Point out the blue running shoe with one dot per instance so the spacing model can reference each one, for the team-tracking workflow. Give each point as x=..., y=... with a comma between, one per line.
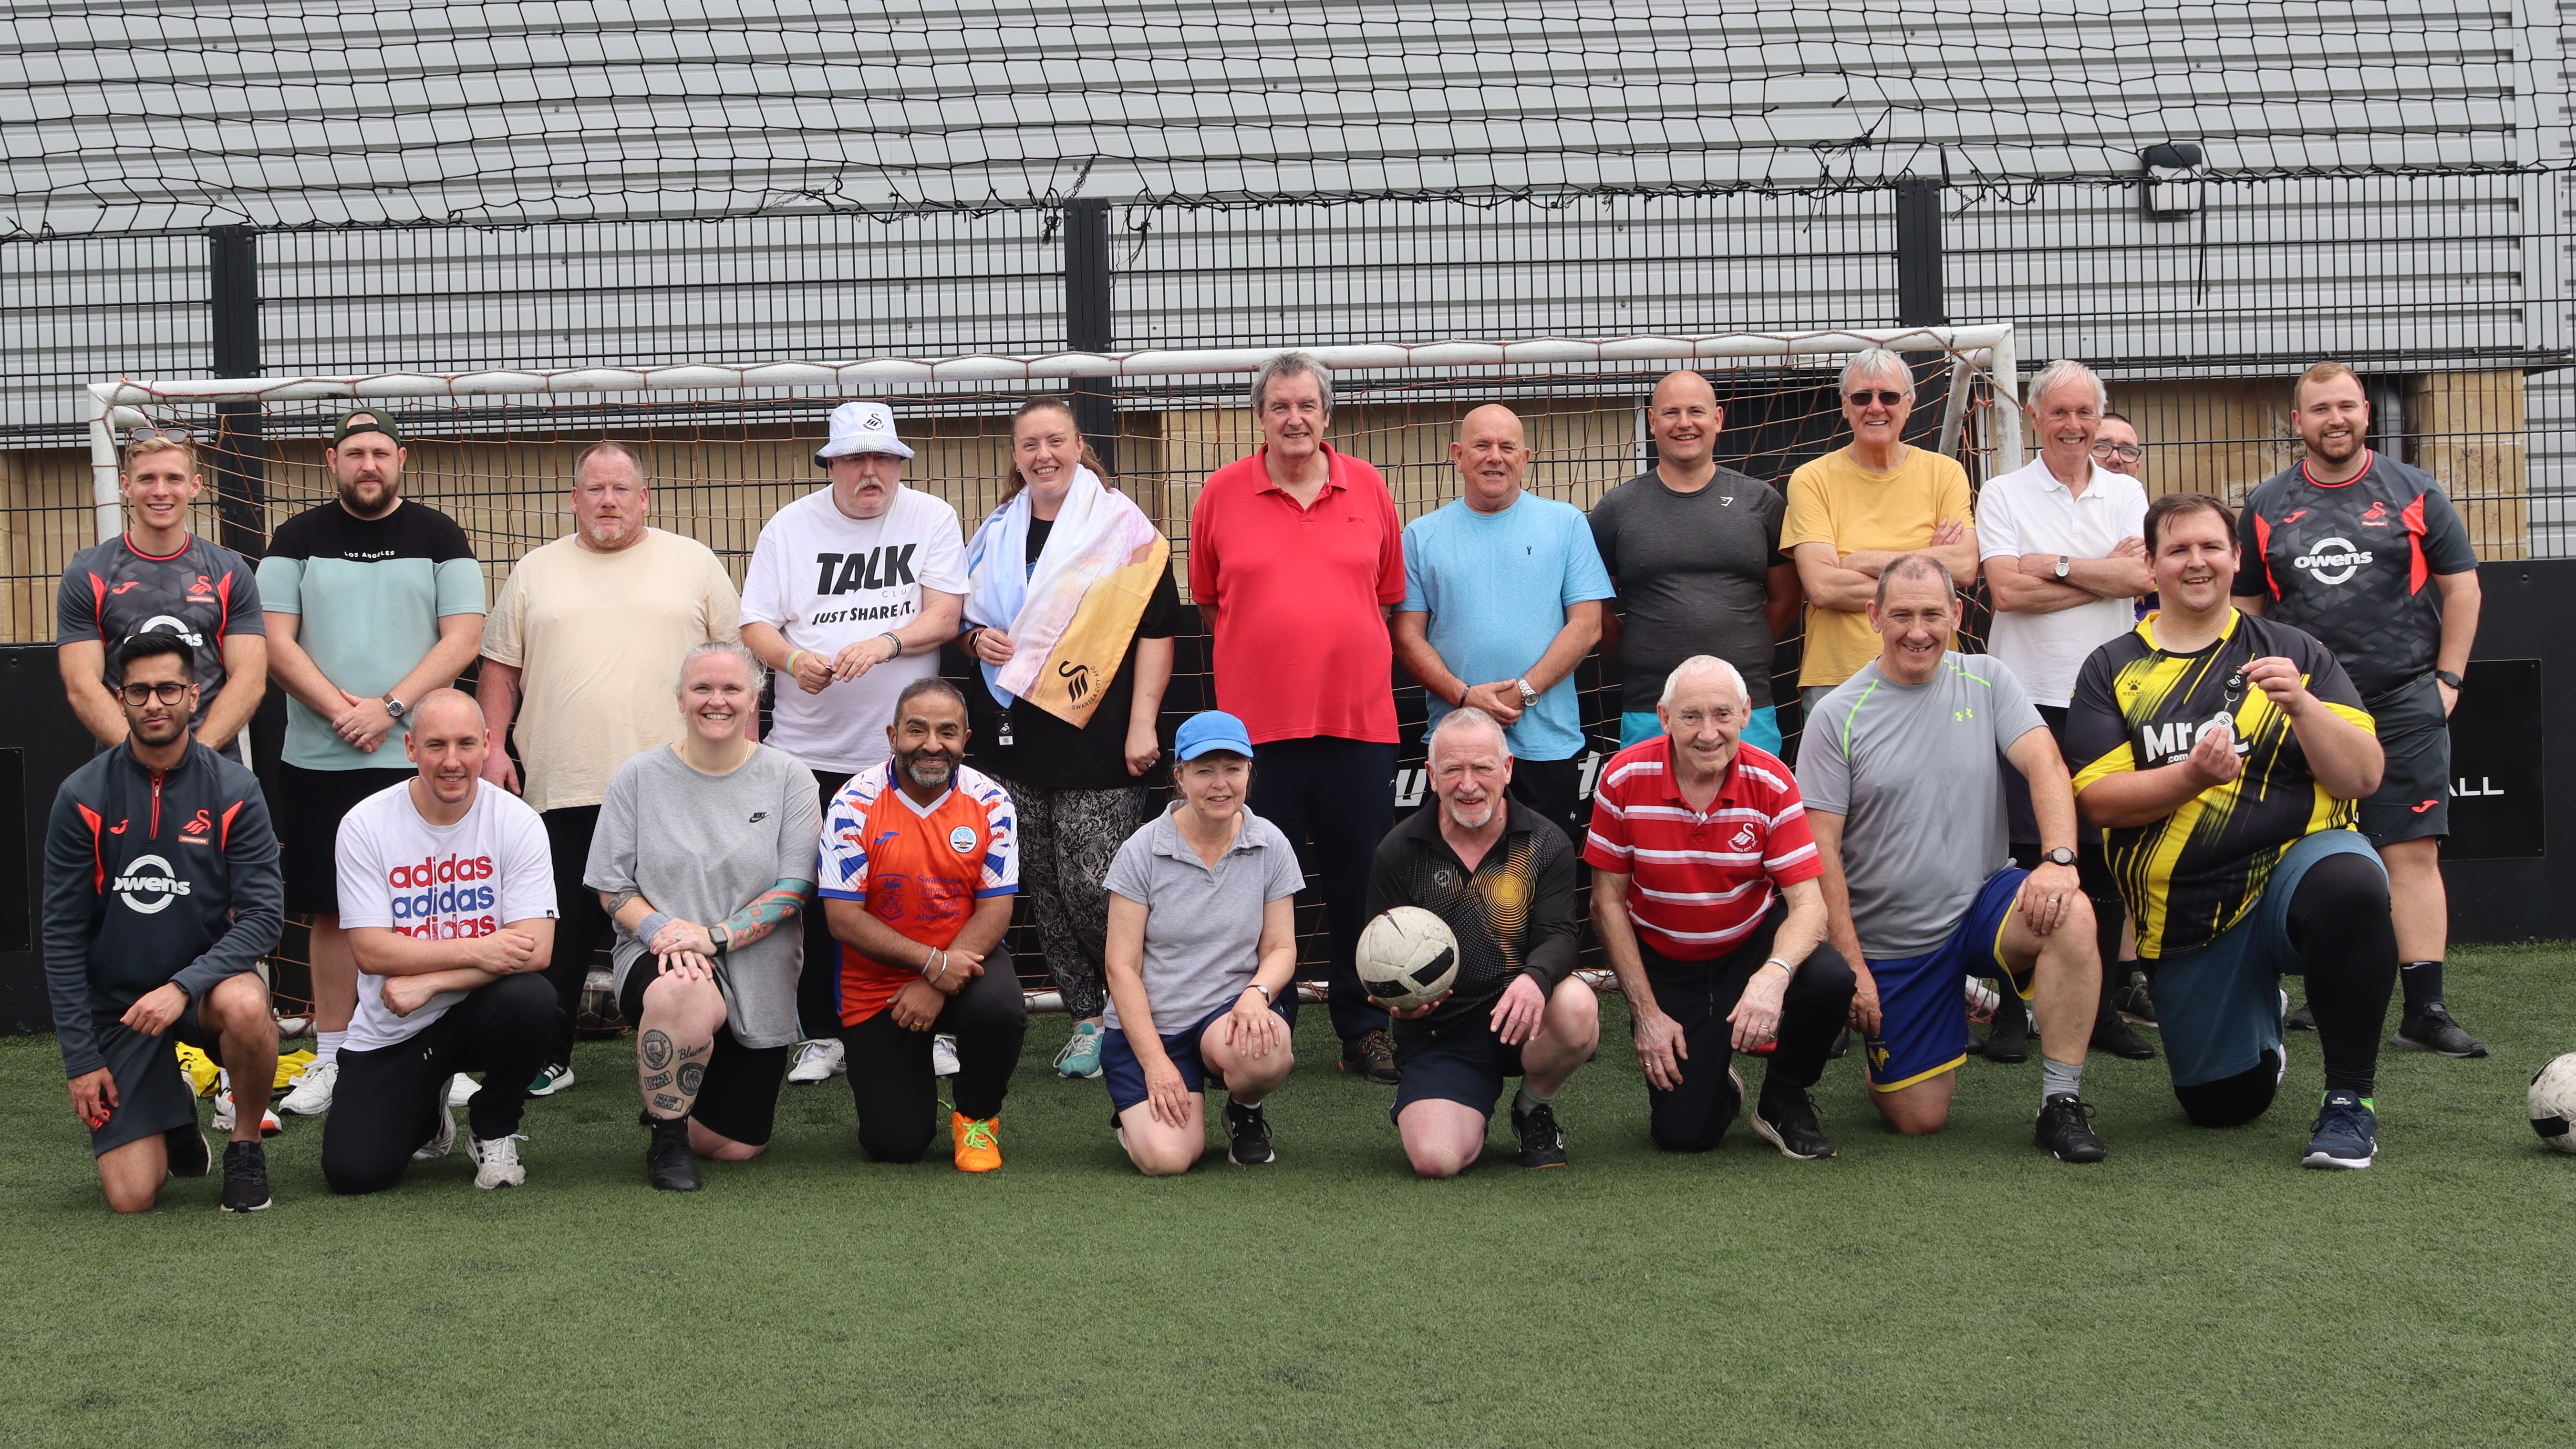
x=1080, y=1058
x=2346, y=1132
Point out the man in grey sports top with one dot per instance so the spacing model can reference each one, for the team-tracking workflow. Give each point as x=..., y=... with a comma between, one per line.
x=1902, y=770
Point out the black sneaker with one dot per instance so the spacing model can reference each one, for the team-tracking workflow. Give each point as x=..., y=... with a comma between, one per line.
x=1791, y=1126
x=190, y=1156
x=2111, y=1034
x=668, y=1164
x=2303, y=1019
x=1842, y=1044
x=1542, y=1145
x=2065, y=1130
x=2008, y=1041
x=2432, y=1030
x=2134, y=1001
x=245, y=1177
x=1371, y=1055
x=1247, y=1137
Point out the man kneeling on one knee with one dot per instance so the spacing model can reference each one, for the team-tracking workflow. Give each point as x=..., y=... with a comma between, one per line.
x=1502, y=877
x=1903, y=771
x=1704, y=892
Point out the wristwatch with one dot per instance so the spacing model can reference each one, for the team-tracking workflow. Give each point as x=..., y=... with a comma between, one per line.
x=2058, y=855
x=720, y=938
x=1529, y=696
x=395, y=709
x=2453, y=680
x=1264, y=990
x=2065, y=566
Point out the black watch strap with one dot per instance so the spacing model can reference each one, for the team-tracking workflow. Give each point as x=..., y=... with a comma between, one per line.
x=2059, y=855
x=2453, y=680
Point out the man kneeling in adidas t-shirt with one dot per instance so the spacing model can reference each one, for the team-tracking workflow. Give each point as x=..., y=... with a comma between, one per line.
x=447, y=892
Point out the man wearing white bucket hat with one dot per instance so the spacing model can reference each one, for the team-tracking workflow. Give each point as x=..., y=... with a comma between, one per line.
x=852, y=590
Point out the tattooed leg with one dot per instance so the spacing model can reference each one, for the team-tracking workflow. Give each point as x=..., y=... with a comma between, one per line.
x=673, y=1040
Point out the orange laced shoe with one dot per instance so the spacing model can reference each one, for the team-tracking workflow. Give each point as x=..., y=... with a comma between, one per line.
x=978, y=1150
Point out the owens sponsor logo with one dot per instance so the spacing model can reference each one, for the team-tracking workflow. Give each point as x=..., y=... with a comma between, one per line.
x=2332, y=560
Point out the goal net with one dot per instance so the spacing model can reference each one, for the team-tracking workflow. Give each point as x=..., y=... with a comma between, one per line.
x=725, y=445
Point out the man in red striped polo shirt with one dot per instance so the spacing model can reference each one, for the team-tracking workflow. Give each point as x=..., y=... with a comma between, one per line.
x=1705, y=894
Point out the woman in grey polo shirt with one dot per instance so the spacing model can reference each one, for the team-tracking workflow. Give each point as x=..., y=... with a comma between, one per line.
x=1202, y=941
x=705, y=849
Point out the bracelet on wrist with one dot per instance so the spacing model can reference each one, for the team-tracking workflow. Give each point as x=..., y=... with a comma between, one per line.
x=650, y=927
x=792, y=656
x=889, y=637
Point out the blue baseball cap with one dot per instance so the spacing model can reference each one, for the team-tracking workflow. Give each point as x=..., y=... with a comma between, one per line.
x=1212, y=729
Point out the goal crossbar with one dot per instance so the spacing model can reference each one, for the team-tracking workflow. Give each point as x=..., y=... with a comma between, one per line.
x=1986, y=348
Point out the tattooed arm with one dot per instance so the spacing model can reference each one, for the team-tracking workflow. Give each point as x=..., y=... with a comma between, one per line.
x=766, y=912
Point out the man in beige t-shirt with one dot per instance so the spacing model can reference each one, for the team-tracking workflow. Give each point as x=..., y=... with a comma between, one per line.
x=1855, y=509
x=582, y=650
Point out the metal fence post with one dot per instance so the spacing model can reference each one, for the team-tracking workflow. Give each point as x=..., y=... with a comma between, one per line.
x=239, y=452
x=1089, y=318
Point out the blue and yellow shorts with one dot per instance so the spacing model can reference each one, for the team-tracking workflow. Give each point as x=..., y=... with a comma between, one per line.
x=1923, y=1013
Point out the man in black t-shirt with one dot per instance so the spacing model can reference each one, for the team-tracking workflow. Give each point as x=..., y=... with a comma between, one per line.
x=1694, y=550
x=2366, y=554
x=1502, y=876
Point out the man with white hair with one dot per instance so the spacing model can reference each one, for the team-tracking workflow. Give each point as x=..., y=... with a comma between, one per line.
x=2065, y=552
x=580, y=651
x=1705, y=895
x=1852, y=511
x=851, y=591
x=1903, y=773
x=1502, y=877
x=1486, y=628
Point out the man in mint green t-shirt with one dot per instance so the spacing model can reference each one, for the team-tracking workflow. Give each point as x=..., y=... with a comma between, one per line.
x=1502, y=599
x=372, y=602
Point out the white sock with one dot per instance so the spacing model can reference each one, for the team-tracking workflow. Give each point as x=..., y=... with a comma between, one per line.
x=2059, y=1079
x=326, y=1047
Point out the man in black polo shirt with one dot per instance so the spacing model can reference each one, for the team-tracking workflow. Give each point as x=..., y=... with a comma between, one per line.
x=1502, y=877
x=2366, y=554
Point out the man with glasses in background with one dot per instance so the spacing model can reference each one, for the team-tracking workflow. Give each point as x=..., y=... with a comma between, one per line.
x=2115, y=449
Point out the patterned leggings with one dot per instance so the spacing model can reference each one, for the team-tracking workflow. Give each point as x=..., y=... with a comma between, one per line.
x=1067, y=839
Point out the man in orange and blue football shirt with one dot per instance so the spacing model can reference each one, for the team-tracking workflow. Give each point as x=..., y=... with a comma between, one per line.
x=920, y=860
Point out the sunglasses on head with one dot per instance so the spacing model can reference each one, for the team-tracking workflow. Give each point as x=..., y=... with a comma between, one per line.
x=150, y=434
x=1886, y=397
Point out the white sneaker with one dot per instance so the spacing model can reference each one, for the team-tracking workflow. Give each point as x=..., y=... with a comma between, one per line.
x=461, y=1089
x=551, y=1080
x=442, y=1144
x=817, y=1060
x=496, y=1161
x=269, y=1126
x=943, y=1055
x=312, y=1094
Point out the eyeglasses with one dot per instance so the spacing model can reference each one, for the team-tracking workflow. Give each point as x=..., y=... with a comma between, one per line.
x=1886, y=397
x=2125, y=452
x=150, y=434
x=167, y=691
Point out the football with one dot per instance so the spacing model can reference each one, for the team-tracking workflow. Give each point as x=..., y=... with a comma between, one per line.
x=1407, y=957
x=2553, y=1103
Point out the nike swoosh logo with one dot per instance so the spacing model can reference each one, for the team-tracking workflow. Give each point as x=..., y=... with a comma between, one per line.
x=2427, y=805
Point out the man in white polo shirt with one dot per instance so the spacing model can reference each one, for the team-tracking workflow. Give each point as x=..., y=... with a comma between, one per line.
x=2063, y=540
x=852, y=590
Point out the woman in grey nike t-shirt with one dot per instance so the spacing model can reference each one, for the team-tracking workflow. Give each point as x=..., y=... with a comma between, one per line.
x=705, y=849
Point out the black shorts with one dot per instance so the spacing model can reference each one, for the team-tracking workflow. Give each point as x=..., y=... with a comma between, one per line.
x=738, y=1097
x=2414, y=796
x=307, y=810
x=152, y=1094
x=1464, y=1062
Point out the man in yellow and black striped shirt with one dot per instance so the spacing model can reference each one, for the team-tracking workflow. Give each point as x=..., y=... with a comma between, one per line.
x=2224, y=753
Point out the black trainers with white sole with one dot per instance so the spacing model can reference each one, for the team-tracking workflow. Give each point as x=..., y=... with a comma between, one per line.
x=1791, y=1126
x=2432, y=1030
x=245, y=1177
x=2065, y=1130
x=1247, y=1136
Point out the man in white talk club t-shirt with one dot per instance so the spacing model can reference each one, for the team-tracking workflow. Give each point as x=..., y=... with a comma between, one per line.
x=852, y=590
x=447, y=891
x=2063, y=540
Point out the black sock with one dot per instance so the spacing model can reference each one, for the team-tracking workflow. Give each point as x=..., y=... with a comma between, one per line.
x=2339, y=922
x=2422, y=981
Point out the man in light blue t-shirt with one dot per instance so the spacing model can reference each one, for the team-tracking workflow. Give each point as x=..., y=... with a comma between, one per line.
x=1502, y=599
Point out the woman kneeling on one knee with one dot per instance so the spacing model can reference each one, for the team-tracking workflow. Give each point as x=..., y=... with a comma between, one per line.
x=715, y=829
x=1202, y=942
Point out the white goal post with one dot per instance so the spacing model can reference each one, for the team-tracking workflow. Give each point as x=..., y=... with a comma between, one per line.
x=1985, y=349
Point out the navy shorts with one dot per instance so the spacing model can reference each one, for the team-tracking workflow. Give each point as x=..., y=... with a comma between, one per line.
x=1923, y=1014
x=152, y=1093
x=1465, y=1063
x=1127, y=1075
x=2218, y=1009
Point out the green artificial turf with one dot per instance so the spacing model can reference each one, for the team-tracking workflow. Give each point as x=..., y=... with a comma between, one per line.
x=2198, y=1288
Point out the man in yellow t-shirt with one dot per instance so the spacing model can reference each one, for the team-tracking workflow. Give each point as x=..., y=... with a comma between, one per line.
x=582, y=653
x=1854, y=510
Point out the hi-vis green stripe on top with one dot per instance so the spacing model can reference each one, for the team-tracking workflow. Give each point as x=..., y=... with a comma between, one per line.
x=2193, y=874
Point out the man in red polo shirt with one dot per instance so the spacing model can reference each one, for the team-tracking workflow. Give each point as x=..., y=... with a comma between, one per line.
x=1296, y=555
x=1705, y=893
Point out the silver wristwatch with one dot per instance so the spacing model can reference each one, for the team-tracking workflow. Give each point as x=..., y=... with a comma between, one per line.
x=395, y=709
x=2065, y=566
x=1529, y=696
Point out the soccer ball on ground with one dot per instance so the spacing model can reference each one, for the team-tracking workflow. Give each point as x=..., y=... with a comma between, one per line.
x=2553, y=1103
x=1407, y=957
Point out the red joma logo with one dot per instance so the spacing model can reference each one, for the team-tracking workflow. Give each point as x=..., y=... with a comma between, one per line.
x=121, y=588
